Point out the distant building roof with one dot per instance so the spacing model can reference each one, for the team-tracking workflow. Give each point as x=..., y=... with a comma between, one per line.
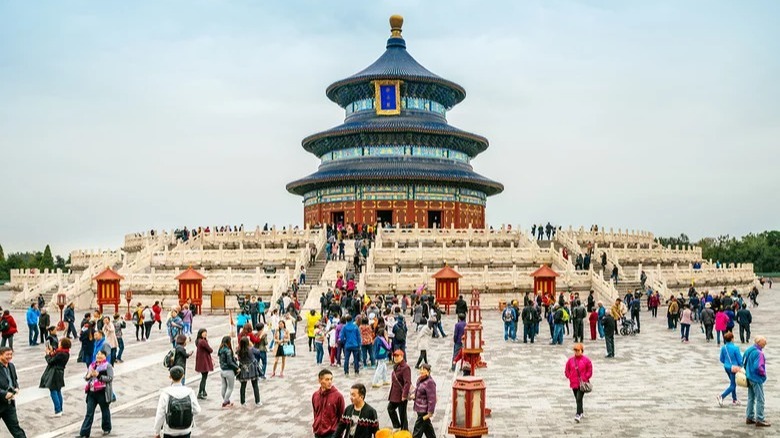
x=544, y=272
x=190, y=274
x=108, y=274
x=446, y=273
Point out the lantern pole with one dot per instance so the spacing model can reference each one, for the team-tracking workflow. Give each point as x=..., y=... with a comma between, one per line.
x=61, y=305
x=128, y=298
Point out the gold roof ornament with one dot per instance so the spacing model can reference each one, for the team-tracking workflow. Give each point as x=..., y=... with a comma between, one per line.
x=396, y=23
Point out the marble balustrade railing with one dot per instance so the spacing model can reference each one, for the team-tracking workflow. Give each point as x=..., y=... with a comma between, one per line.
x=212, y=257
x=434, y=236
x=228, y=279
x=459, y=255
x=257, y=236
x=82, y=259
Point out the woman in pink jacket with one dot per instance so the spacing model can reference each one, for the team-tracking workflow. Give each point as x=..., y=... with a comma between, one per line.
x=578, y=370
x=721, y=323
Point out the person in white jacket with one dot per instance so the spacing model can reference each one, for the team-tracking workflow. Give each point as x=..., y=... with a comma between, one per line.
x=178, y=391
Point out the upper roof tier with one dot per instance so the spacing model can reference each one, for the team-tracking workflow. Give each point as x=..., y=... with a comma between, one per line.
x=395, y=63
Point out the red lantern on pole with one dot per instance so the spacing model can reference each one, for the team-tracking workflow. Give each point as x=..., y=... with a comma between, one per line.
x=468, y=408
x=61, y=304
x=128, y=298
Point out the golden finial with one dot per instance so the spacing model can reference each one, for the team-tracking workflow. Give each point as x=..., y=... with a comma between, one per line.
x=396, y=23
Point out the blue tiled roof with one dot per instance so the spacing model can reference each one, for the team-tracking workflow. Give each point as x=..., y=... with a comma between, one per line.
x=395, y=63
x=335, y=138
x=395, y=169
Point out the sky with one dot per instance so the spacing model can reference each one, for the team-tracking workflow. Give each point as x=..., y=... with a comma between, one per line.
x=117, y=117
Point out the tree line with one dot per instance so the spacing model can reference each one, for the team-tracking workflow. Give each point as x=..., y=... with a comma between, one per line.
x=762, y=249
x=29, y=260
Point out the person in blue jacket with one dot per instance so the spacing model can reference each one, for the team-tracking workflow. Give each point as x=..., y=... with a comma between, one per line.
x=731, y=358
x=350, y=338
x=33, y=314
x=755, y=371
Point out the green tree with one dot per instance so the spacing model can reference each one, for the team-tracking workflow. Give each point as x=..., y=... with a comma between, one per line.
x=2, y=256
x=47, y=260
x=60, y=263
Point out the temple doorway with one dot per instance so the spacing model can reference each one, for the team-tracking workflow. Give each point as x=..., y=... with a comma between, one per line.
x=384, y=216
x=434, y=219
x=337, y=217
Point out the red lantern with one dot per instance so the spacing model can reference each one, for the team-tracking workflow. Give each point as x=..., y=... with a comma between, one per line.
x=61, y=301
x=128, y=298
x=468, y=408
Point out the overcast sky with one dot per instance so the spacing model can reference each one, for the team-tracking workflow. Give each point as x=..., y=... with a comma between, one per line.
x=118, y=117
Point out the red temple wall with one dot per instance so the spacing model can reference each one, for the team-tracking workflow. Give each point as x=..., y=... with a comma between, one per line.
x=404, y=212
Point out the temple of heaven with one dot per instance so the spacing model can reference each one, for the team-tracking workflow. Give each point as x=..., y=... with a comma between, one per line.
x=395, y=159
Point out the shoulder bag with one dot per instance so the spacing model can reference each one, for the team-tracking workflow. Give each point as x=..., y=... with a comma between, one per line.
x=585, y=387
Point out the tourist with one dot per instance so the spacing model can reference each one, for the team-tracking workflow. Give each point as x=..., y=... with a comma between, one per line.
x=635, y=308
x=653, y=302
x=249, y=371
x=119, y=324
x=744, y=319
x=509, y=316
x=99, y=344
x=610, y=328
x=424, y=397
x=557, y=320
x=87, y=343
x=33, y=314
x=9, y=388
x=292, y=325
x=401, y=382
x=685, y=323
x=529, y=317
x=282, y=337
x=332, y=342
x=672, y=312
x=53, y=377
x=423, y=342
x=100, y=376
x=180, y=354
x=261, y=347
x=579, y=313
x=138, y=321
x=708, y=321
x=328, y=405
x=461, y=306
x=157, y=312
x=366, y=343
x=302, y=275
x=601, y=312
x=457, y=337
x=44, y=320
x=399, y=332
x=312, y=318
x=593, y=319
x=186, y=320
x=254, y=310
x=721, y=324
x=755, y=371
x=261, y=310
x=109, y=333
x=578, y=370
x=350, y=338
x=148, y=319
x=731, y=358
x=174, y=325
x=273, y=326
x=70, y=319
x=360, y=420
x=319, y=341
x=438, y=328
x=51, y=338
x=176, y=408
x=228, y=369
x=381, y=351
x=203, y=361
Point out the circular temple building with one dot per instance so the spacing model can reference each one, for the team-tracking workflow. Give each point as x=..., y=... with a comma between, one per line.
x=395, y=159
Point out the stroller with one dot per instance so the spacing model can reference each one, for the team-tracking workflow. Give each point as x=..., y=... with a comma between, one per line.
x=628, y=327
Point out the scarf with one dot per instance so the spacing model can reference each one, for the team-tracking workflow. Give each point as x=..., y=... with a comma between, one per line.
x=94, y=384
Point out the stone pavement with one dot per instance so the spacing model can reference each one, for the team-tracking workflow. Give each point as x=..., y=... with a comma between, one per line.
x=656, y=386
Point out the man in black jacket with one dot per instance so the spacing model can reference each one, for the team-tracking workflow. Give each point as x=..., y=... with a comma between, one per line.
x=529, y=317
x=610, y=327
x=360, y=420
x=9, y=388
x=70, y=319
x=461, y=306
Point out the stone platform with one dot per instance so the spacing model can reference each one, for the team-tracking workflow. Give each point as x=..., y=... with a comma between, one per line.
x=656, y=386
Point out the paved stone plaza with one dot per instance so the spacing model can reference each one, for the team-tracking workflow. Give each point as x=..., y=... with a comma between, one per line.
x=656, y=386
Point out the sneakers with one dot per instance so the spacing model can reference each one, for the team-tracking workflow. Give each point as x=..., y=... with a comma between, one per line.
x=577, y=418
x=57, y=414
x=750, y=421
x=720, y=400
x=736, y=403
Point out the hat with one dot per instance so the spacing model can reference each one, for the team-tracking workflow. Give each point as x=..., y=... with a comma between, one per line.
x=426, y=366
x=398, y=353
x=707, y=305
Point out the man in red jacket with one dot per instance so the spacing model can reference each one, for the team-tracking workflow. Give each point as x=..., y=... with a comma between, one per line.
x=328, y=405
x=8, y=329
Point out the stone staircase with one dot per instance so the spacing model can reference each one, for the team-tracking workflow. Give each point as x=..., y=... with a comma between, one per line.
x=313, y=275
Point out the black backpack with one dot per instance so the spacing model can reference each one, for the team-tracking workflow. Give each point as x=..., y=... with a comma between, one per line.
x=169, y=359
x=400, y=332
x=4, y=325
x=179, y=415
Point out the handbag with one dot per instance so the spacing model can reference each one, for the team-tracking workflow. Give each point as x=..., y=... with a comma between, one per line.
x=585, y=387
x=740, y=377
x=287, y=349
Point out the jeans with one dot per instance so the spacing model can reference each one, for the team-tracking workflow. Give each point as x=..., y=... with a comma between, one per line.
x=121, y=349
x=528, y=332
x=744, y=333
x=368, y=354
x=148, y=328
x=558, y=335
x=355, y=353
x=600, y=328
x=610, y=341
x=685, y=331
x=455, y=349
x=397, y=412
x=509, y=330
x=578, y=395
x=635, y=317
x=440, y=329
x=112, y=359
x=732, y=389
x=95, y=399
x=33, y=337
x=320, y=352
x=71, y=329
x=187, y=330
x=56, y=398
x=719, y=334
x=755, y=403
x=262, y=360
x=8, y=415
x=380, y=375
x=423, y=427
x=228, y=382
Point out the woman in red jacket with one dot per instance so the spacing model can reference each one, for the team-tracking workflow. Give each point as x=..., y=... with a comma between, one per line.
x=157, y=309
x=203, y=362
x=8, y=325
x=578, y=370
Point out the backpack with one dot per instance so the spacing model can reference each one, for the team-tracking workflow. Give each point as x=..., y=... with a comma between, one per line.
x=507, y=315
x=4, y=325
x=169, y=357
x=400, y=332
x=565, y=316
x=179, y=414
